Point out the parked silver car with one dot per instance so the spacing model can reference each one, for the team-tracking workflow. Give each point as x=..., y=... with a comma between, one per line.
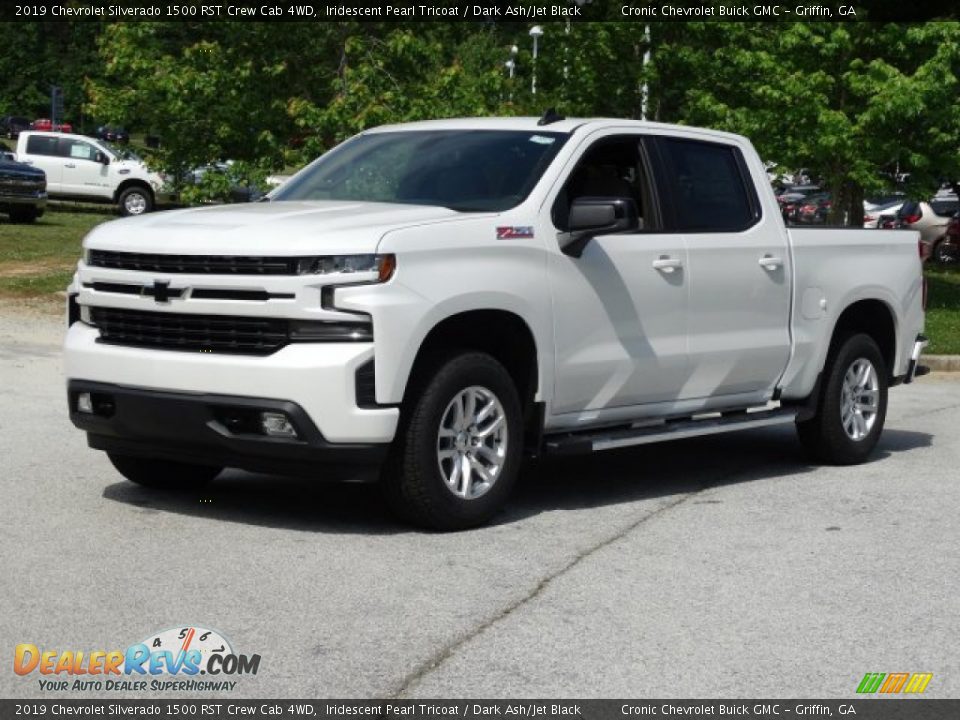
x=929, y=218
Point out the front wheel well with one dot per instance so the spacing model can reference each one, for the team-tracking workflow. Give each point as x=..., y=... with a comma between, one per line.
x=873, y=318
x=500, y=333
x=131, y=183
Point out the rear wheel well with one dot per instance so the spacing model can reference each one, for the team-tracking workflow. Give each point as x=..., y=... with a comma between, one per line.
x=873, y=318
x=500, y=333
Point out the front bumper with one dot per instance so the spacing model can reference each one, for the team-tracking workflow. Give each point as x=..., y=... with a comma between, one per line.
x=11, y=200
x=319, y=378
x=214, y=430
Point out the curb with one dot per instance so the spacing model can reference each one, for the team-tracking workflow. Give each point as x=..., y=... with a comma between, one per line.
x=941, y=363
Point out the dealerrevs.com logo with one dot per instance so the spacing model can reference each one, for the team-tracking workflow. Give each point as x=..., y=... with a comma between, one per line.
x=173, y=660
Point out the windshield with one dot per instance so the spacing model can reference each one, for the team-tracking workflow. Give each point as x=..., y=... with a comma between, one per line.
x=464, y=170
x=120, y=152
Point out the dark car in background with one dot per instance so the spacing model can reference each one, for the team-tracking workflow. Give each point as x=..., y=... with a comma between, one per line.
x=23, y=191
x=813, y=210
x=792, y=197
x=12, y=125
x=113, y=133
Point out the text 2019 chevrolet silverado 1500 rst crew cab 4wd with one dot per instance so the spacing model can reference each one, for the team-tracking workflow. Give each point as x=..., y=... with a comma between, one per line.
x=438, y=298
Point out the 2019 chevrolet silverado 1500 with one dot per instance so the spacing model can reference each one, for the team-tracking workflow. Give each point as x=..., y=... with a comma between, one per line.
x=437, y=299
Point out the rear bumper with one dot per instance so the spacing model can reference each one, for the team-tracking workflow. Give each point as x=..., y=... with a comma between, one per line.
x=210, y=429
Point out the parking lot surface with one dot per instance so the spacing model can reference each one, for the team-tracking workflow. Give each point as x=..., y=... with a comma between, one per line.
x=718, y=567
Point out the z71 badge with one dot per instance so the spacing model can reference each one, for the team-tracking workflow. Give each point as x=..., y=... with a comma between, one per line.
x=514, y=232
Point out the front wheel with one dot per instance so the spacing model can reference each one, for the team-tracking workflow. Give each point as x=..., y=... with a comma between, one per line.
x=459, y=445
x=135, y=200
x=165, y=474
x=852, y=405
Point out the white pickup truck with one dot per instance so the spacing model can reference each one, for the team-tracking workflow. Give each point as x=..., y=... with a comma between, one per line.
x=435, y=301
x=84, y=168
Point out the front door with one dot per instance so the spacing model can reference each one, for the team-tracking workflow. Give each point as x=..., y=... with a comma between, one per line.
x=620, y=309
x=82, y=174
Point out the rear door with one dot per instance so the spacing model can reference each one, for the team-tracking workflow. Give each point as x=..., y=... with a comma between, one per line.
x=738, y=325
x=42, y=152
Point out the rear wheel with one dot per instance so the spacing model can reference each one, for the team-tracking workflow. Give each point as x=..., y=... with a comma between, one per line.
x=945, y=253
x=459, y=445
x=165, y=474
x=852, y=405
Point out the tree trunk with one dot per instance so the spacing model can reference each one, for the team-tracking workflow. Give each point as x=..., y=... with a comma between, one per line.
x=847, y=206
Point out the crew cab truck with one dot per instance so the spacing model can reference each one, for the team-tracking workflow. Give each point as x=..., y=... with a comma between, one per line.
x=435, y=301
x=84, y=168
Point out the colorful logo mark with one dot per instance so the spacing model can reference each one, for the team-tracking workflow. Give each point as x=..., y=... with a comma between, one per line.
x=514, y=232
x=893, y=683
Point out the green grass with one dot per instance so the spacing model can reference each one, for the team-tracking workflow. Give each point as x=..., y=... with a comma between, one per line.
x=943, y=311
x=38, y=259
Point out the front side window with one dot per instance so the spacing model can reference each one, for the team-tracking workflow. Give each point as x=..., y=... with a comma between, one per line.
x=708, y=189
x=610, y=168
x=464, y=170
x=41, y=145
x=78, y=150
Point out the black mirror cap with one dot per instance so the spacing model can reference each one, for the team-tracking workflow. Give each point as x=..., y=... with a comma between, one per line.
x=590, y=216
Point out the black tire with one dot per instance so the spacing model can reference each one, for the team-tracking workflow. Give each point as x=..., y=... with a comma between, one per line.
x=943, y=253
x=824, y=436
x=412, y=480
x=135, y=200
x=164, y=474
x=23, y=214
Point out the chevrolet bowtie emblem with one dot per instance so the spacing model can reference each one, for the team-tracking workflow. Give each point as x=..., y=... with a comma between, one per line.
x=161, y=291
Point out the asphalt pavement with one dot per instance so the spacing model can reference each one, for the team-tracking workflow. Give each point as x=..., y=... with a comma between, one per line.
x=716, y=567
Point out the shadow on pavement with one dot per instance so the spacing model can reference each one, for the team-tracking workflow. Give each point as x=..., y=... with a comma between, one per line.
x=588, y=481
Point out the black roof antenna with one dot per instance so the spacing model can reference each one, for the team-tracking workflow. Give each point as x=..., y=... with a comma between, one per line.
x=549, y=117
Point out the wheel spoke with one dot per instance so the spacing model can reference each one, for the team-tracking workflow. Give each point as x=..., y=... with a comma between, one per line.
x=465, y=476
x=492, y=427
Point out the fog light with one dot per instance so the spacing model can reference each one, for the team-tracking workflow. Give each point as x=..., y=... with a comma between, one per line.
x=85, y=403
x=277, y=425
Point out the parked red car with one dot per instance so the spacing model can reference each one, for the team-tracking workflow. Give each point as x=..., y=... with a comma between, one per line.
x=46, y=125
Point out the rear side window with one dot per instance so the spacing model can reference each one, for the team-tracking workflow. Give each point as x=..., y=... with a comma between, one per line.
x=944, y=208
x=41, y=145
x=708, y=187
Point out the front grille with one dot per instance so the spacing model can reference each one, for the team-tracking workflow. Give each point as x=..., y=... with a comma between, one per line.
x=197, y=264
x=188, y=332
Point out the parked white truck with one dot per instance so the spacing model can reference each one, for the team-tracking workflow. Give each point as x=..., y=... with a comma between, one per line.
x=437, y=300
x=84, y=168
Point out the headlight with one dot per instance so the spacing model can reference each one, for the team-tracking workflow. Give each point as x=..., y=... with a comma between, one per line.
x=382, y=265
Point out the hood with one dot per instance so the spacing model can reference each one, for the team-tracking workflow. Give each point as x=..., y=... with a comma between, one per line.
x=264, y=228
x=17, y=169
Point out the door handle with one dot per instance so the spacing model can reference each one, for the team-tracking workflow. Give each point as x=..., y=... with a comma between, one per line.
x=769, y=262
x=69, y=165
x=667, y=264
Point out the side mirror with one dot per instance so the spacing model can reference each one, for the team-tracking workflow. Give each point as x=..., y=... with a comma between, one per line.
x=101, y=157
x=590, y=216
